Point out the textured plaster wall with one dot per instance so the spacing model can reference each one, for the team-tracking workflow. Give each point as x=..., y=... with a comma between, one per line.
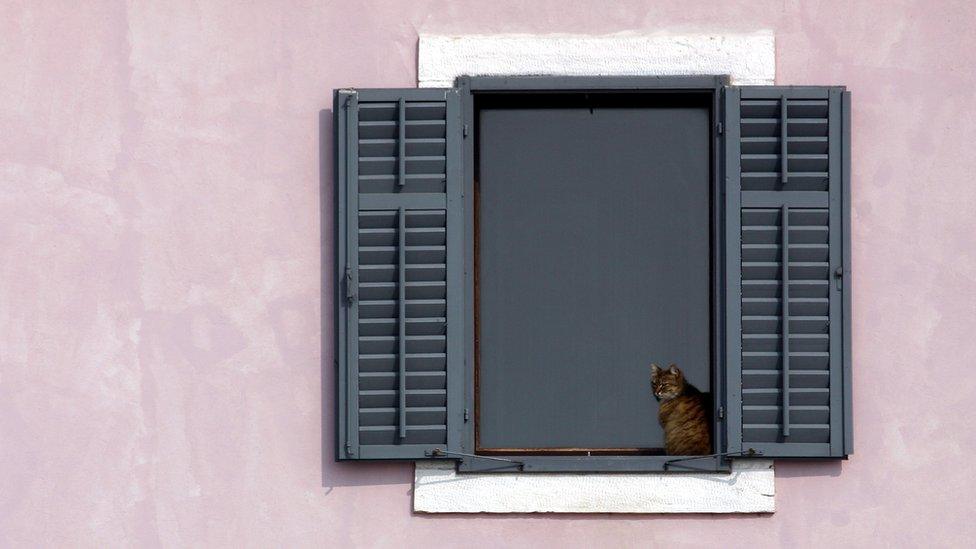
x=161, y=282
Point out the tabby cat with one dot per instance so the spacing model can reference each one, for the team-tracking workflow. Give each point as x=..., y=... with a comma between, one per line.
x=684, y=413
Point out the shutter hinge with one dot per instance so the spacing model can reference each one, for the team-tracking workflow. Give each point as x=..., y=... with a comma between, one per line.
x=349, y=449
x=464, y=130
x=347, y=282
x=465, y=415
x=721, y=412
x=350, y=95
x=839, y=275
x=720, y=128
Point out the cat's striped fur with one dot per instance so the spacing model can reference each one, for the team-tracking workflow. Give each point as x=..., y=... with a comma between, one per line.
x=684, y=413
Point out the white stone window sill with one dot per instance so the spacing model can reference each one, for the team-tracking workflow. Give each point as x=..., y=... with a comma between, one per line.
x=748, y=59
x=749, y=488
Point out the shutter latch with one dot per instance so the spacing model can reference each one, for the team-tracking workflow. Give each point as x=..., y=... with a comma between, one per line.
x=438, y=452
x=347, y=282
x=751, y=452
x=838, y=276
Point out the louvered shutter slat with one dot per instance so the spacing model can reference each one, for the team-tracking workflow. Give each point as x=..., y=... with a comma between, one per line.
x=787, y=353
x=399, y=319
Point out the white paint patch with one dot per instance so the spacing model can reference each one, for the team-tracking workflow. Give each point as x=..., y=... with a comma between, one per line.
x=749, y=488
x=748, y=58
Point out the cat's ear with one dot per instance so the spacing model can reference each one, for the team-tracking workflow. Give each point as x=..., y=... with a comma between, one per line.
x=673, y=369
x=655, y=369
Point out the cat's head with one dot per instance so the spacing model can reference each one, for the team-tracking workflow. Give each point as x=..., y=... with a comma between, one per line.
x=667, y=384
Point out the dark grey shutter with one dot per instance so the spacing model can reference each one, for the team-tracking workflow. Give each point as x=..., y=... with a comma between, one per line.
x=399, y=260
x=787, y=271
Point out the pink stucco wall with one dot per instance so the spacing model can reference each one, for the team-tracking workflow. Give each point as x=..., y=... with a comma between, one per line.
x=160, y=277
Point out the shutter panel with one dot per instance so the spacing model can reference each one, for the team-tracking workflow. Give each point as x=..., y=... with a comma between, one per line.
x=787, y=249
x=399, y=268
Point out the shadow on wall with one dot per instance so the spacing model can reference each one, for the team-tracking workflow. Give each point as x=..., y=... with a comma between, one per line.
x=791, y=469
x=336, y=474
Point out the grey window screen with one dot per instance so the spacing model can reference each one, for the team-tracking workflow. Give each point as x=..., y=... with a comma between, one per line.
x=593, y=261
x=398, y=302
x=788, y=342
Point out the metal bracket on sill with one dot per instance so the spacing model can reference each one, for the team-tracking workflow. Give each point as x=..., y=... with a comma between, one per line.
x=751, y=452
x=437, y=452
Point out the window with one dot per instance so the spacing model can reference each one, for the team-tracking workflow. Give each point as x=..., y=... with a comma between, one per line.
x=512, y=254
x=592, y=215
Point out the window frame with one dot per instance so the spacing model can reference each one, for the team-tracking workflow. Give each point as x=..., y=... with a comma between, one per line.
x=469, y=87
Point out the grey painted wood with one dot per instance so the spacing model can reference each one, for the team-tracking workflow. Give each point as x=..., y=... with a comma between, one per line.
x=339, y=112
x=401, y=142
x=351, y=272
x=593, y=464
x=394, y=94
x=837, y=237
x=399, y=327
x=719, y=439
x=785, y=313
x=593, y=263
x=733, y=280
x=457, y=199
x=590, y=463
x=401, y=302
x=776, y=199
x=456, y=304
x=847, y=269
x=468, y=170
x=810, y=408
x=413, y=201
x=784, y=170
x=777, y=92
x=583, y=83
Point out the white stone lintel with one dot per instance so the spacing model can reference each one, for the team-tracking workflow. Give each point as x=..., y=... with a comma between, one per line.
x=748, y=58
